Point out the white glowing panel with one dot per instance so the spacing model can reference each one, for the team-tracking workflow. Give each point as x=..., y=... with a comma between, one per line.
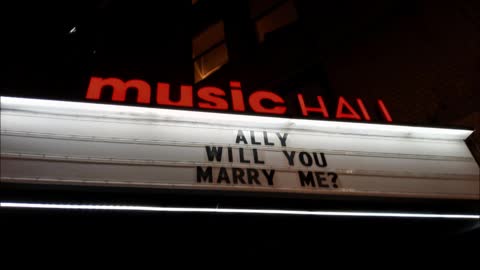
x=45, y=141
x=137, y=208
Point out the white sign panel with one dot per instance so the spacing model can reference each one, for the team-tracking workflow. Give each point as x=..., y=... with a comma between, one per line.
x=91, y=144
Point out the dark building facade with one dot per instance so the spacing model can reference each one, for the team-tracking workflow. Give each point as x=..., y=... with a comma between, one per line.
x=421, y=58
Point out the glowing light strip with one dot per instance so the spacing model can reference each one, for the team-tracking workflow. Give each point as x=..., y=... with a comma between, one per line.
x=237, y=120
x=232, y=210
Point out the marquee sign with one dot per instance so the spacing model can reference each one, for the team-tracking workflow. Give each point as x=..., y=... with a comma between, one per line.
x=235, y=100
x=74, y=143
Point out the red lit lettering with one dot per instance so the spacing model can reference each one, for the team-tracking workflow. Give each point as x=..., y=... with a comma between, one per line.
x=235, y=84
x=363, y=110
x=340, y=114
x=322, y=109
x=211, y=96
x=163, y=94
x=384, y=110
x=237, y=97
x=119, y=89
x=256, y=98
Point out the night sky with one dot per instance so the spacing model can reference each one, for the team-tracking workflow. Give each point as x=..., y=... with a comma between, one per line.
x=421, y=57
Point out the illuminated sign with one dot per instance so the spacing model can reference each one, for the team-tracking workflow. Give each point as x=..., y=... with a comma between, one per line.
x=214, y=98
x=73, y=143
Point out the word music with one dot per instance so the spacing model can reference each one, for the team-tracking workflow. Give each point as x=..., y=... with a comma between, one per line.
x=214, y=98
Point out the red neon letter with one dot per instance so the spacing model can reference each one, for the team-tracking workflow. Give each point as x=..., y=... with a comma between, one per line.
x=352, y=115
x=322, y=109
x=362, y=108
x=384, y=111
x=256, y=98
x=210, y=95
x=163, y=94
x=119, y=89
x=237, y=97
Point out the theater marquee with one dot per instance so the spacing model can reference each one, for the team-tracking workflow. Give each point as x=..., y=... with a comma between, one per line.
x=235, y=100
x=75, y=143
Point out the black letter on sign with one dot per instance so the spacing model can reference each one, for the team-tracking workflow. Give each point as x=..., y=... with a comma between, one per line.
x=290, y=157
x=253, y=176
x=283, y=139
x=306, y=179
x=255, y=157
x=214, y=152
x=241, y=137
x=269, y=176
x=334, y=179
x=302, y=156
x=223, y=176
x=242, y=157
x=252, y=137
x=238, y=175
x=204, y=175
x=230, y=155
x=324, y=161
x=320, y=179
x=265, y=139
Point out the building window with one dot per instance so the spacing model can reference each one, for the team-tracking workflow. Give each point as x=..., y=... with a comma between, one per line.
x=272, y=15
x=209, y=51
